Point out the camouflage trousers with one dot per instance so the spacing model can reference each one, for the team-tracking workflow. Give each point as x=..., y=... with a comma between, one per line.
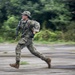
x=24, y=42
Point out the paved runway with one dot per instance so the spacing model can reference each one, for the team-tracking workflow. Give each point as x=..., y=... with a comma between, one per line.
x=63, y=60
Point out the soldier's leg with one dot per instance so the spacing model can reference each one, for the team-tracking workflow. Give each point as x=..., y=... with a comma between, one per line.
x=33, y=50
x=18, y=49
x=21, y=45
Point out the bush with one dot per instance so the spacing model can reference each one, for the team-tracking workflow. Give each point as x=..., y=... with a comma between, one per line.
x=70, y=34
x=10, y=27
x=47, y=35
x=1, y=40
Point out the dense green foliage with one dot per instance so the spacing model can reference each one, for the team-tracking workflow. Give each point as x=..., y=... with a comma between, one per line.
x=47, y=35
x=70, y=34
x=9, y=27
x=55, y=16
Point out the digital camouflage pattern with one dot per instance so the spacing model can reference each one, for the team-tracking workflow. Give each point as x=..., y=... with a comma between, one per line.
x=28, y=29
x=26, y=40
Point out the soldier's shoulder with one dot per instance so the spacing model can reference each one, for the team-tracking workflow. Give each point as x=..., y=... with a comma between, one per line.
x=34, y=22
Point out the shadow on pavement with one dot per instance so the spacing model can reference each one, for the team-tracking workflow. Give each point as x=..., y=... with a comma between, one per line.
x=64, y=67
x=36, y=69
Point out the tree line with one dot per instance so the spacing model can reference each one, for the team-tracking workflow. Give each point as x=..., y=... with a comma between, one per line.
x=53, y=15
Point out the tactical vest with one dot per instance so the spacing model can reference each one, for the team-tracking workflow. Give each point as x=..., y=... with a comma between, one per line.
x=27, y=27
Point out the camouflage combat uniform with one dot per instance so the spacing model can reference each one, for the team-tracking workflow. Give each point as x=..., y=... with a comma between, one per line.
x=27, y=28
x=27, y=38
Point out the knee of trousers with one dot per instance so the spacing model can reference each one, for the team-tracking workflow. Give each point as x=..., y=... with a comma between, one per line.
x=18, y=47
x=17, y=50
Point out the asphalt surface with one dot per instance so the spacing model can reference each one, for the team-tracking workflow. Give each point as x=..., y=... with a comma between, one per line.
x=63, y=60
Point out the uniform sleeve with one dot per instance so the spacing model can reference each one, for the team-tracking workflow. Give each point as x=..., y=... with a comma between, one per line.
x=18, y=28
x=36, y=27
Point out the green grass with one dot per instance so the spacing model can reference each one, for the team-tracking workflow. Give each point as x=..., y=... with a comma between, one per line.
x=54, y=42
x=41, y=42
x=24, y=63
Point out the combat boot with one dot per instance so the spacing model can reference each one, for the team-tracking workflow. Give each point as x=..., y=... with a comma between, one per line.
x=16, y=65
x=48, y=61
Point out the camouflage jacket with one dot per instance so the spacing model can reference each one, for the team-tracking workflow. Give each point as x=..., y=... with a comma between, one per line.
x=28, y=27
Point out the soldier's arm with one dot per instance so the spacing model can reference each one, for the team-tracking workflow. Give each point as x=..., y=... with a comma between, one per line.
x=36, y=27
x=18, y=28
